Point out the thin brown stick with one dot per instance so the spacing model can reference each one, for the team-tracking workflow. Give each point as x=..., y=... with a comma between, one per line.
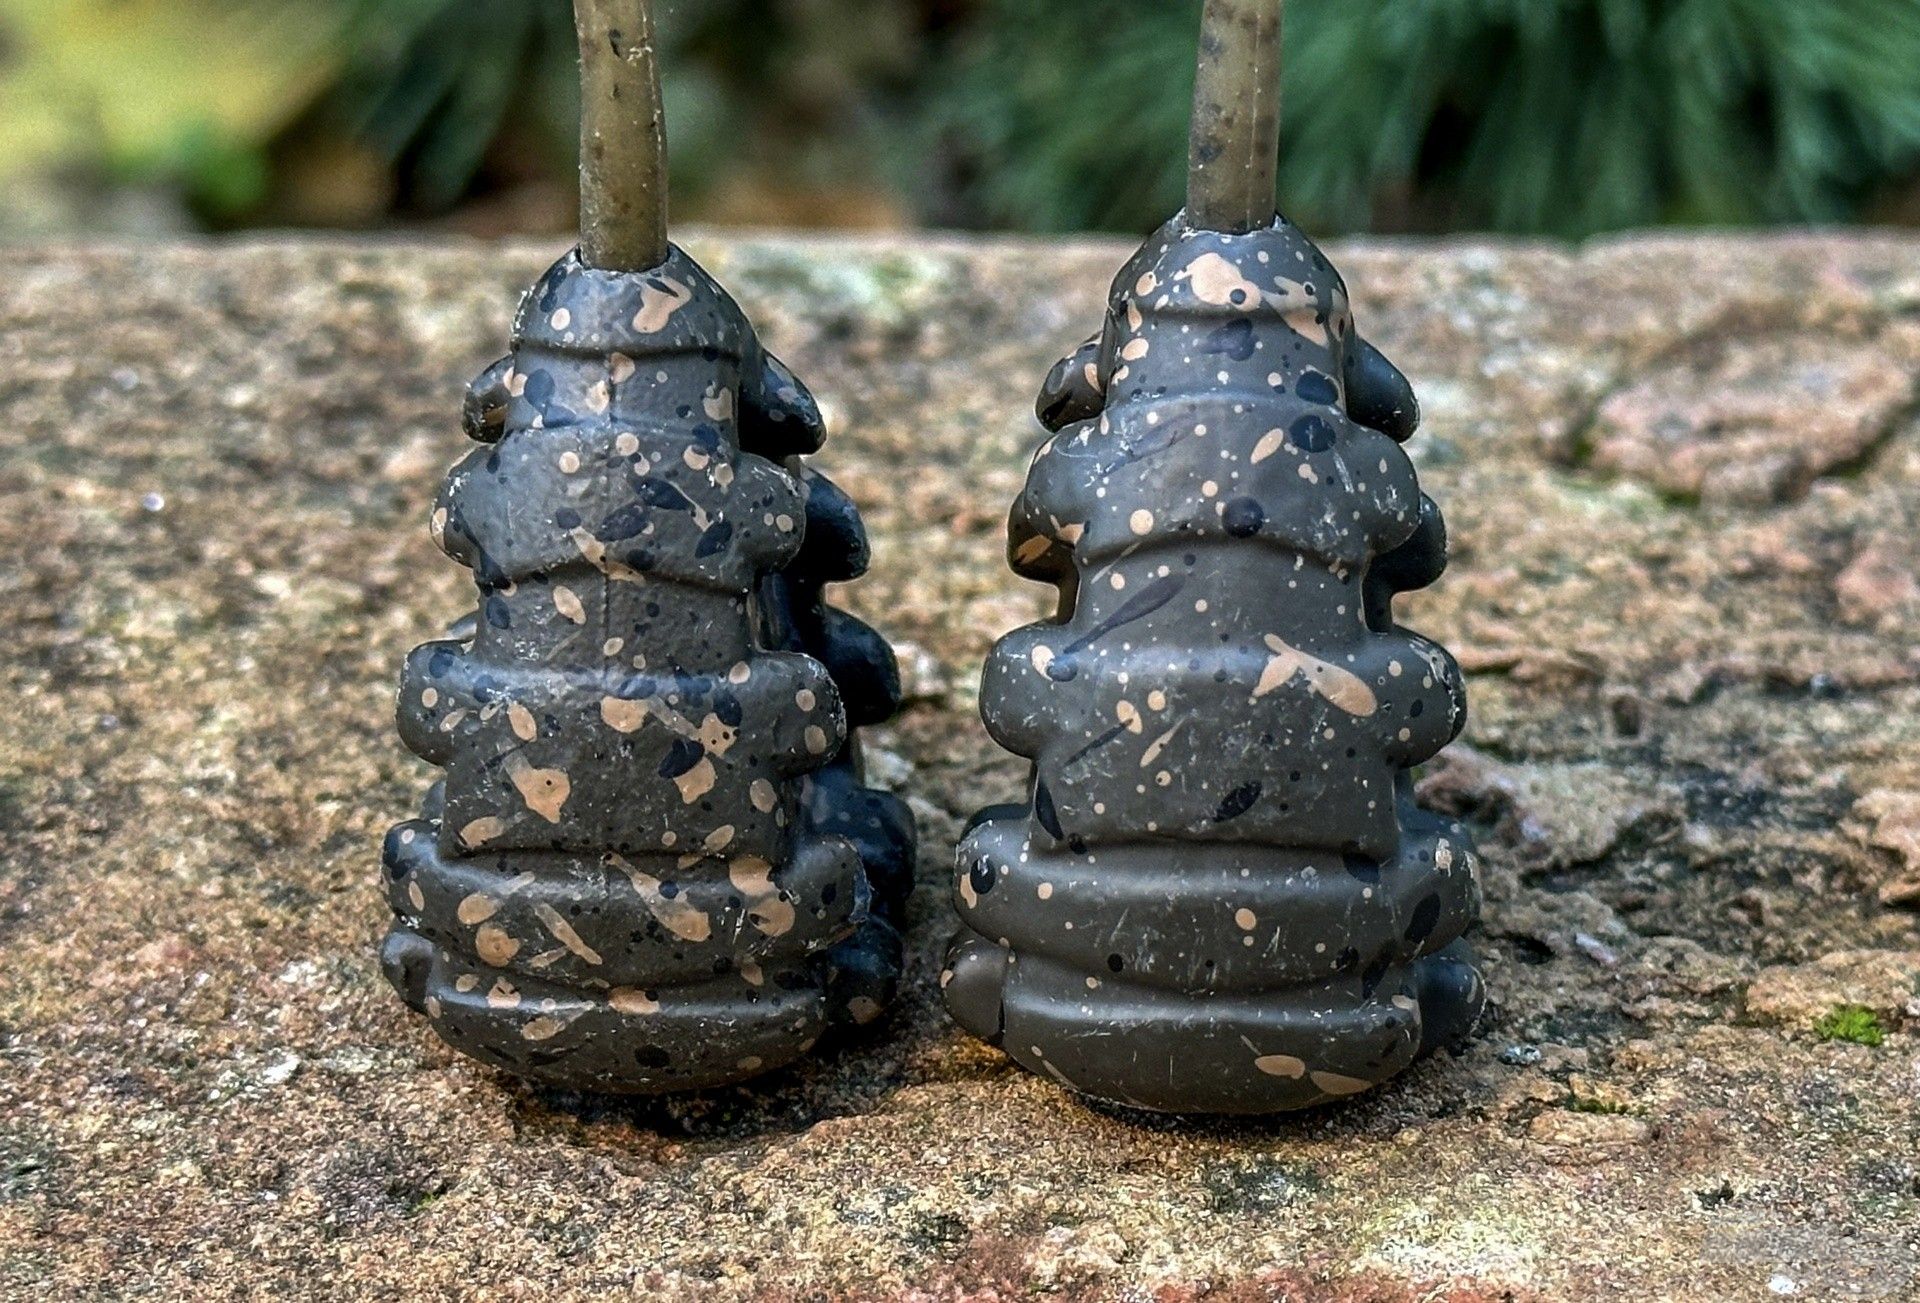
x=623, y=143
x=1235, y=148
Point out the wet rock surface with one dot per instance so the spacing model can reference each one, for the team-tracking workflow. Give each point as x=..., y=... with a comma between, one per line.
x=1683, y=482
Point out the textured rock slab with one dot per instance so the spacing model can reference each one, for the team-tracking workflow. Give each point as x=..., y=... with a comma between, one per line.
x=1740, y=419
x=1886, y=983
x=214, y=483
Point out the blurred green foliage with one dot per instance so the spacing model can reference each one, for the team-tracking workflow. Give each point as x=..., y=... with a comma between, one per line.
x=429, y=84
x=1562, y=117
x=432, y=83
x=179, y=92
x=1556, y=116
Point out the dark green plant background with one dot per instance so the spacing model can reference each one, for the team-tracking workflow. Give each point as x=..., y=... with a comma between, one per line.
x=1556, y=117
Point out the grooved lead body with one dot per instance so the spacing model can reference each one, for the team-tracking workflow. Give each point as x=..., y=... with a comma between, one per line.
x=652, y=864
x=1220, y=896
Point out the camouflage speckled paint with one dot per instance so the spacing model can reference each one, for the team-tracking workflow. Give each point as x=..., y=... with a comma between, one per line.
x=652, y=864
x=1220, y=896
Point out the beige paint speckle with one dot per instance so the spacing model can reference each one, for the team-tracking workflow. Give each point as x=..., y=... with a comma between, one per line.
x=621, y=715
x=520, y=720
x=1219, y=282
x=545, y=791
x=659, y=299
x=481, y=831
x=563, y=932
x=676, y=913
x=697, y=781
x=1281, y=1065
x=632, y=1001
x=1340, y=687
x=542, y=1027
x=494, y=946
x=1336, y=1084
x=752, y=877
x=476, y=909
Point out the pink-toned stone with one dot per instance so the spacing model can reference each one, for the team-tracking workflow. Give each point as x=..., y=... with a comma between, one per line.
x=1743, y=420
x=1889, y=820
x=1878, y=584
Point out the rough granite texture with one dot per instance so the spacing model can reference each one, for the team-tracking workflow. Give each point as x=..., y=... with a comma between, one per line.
x=1683, y=479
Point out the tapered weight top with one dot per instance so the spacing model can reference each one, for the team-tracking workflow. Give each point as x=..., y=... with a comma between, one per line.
x=652, y=863
x=623, y=143
x=1220, y=894
x=1235, y=146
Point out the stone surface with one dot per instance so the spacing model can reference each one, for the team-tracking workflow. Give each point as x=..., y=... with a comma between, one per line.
x=1798, y=996
x=1687, y=687
x=1889, y=818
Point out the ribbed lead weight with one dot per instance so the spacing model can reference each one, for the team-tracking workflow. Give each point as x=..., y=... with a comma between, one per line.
x=652, y=864
x=1220, y=895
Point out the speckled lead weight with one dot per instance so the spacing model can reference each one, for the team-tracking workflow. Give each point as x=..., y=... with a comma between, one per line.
x=1220, y=896
x=652, y=864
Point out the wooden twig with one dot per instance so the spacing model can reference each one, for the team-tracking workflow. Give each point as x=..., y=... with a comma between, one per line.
x=623, y=146
x=1235, y=148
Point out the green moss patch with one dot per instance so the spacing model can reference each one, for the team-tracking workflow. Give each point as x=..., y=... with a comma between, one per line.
x=1853, y=1023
